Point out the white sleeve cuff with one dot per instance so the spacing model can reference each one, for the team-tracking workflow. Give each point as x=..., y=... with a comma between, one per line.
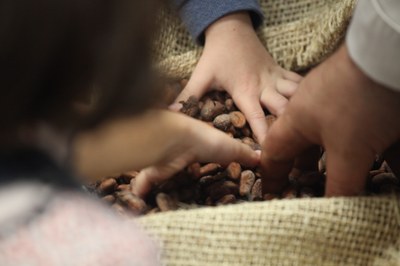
x=373, y=40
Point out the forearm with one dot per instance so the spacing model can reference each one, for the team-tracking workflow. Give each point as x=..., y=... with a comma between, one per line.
x=126, y=144
x=198, y=15
x=373, y=40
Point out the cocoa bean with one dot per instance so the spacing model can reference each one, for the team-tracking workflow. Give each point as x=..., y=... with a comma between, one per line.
x=247, y=179
x=256, y=193
x=209, y=179
x=165, y=203
x=190, y=107
x=107, y=186
x=227, y=199
x=209, y=169
x=134, y=203
x=234, y=170
x=238, y=119
x=222, y=122
x=211, y=109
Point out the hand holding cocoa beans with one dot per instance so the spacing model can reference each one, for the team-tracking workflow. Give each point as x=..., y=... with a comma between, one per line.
x=339, y=107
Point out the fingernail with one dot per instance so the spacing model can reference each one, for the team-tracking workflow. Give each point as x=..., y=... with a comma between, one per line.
x=175, y=107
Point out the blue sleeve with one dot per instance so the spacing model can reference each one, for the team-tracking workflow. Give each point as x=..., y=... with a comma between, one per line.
x=199, y=14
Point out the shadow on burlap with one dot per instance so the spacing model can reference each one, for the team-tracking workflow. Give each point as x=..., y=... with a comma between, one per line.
x=320, y=231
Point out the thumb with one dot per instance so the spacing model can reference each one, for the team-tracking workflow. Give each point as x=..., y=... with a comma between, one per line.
x=197, y=85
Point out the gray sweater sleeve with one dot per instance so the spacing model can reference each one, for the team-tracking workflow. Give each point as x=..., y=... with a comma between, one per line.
x=199, y=14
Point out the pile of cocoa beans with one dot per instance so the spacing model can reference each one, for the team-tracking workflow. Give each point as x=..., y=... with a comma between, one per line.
x=210, y=184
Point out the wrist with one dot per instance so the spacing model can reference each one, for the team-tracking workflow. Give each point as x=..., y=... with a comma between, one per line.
x=234, y=24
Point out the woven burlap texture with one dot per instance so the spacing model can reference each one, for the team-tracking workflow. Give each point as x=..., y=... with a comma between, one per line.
x=297, y=33
x=337, y=231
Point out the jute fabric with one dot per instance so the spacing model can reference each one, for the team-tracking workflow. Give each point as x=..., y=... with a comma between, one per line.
x=319, y=231
x=297, y=33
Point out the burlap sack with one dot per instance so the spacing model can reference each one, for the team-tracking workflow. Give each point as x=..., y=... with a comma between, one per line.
x=297, y=33
x=340, y=231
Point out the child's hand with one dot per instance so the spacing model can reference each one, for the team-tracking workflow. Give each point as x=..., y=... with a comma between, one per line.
x=195, y=141
x=166, y=140
x=235, y=60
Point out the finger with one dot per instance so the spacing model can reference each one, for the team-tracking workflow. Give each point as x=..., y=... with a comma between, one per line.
x=282, y=145
x=347, y=172
x=286, y=87
x=196, y=86
x=274, y=102
x=292, y=76
x=230, y=150
x=254, y=114
x=150, y=177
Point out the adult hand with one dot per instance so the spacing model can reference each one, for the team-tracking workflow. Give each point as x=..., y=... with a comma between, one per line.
x=340, y=108
x=235, y=60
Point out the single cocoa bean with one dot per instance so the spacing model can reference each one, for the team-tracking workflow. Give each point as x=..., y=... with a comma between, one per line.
x=222, y=122
x=247, y=179
x=209, y=179
x=238, y=119
x=227, y=199
x=256, y=193
x=134, y=203
x=234, y=170
x=209, y=169
x=165, y=203
x=211, y=109
x=107, y=186
x=190, y=107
